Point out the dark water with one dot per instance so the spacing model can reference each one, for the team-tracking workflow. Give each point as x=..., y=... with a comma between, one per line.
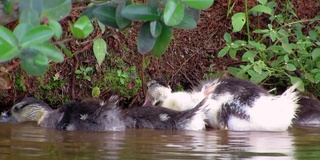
x=28, y=141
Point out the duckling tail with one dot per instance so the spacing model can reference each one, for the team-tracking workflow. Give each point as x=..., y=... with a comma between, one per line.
x=193, y=119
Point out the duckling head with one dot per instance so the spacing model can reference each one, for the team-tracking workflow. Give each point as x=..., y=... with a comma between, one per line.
x=29, y=109
x=158, y=91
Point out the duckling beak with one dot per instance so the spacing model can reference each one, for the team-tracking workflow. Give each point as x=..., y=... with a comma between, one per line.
x=146, y=102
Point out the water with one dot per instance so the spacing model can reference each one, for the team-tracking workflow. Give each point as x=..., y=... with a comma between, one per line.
x=28, y=141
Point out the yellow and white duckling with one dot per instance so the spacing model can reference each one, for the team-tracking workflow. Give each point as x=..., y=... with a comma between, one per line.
x=98, y=115
x=235, y=104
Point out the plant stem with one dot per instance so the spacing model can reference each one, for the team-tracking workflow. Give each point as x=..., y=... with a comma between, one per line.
x=247, y=19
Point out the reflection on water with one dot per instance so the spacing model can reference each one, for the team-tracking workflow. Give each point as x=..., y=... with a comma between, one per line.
x=28, y=141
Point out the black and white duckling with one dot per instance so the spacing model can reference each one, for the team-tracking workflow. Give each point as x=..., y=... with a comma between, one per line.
x=97, y=115
x=309, y=112
x=235, y=104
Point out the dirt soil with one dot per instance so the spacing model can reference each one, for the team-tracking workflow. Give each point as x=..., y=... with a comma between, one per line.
x=190, y=58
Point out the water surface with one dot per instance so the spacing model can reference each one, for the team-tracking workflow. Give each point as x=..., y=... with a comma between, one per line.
x=28, y=141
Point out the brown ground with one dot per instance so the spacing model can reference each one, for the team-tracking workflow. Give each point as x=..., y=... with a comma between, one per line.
x=191, y=57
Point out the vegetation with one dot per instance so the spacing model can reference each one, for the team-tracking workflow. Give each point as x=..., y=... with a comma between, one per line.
x=281, y=52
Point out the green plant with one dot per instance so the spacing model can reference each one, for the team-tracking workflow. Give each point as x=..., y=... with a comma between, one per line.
x=122, y=76
x=38, y=25
x=283, y=52
x=19, y=83
x=84, y=73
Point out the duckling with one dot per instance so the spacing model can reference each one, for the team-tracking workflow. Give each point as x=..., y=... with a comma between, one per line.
x=91, y=114
x=238, y=104
x=309, y=112
x=97, y=115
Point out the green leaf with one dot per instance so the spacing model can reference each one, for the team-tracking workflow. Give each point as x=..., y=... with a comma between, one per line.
x=21, y=30
x=89, y=11
x=82, y=28
x=41, y=60
x=258, y=78
x=163, y=41
x=273, y=35
x=238, y=21
x=28, y=58
x=295, y=80
x=287, y=47
x=198, y=4
x=55, y=10
x=8, y=36
x=317, y=78
x=30, y=16
x=309, y=77
x=290, y=67
x=49, y=50
x=248, y=56
x=223, y=52
x=187, y=22
x=173, y=12
x=261, y=8
x=145, y=40
x=36, y=35
x=195, y=13
x=153, y=3
x=261, y=31
x=315, y=53
x=140, y=12
x=257, y=69
x=33, y=4
x=232, y=53
x=65, y=50
x=233, y=70
x=227, y=37
x=95, y=92
x=99, y=50
x=155, y=28
x=7, y=51
x=263, y=2
x=56, y=27
x=121, y=21
x=119, y=1
x=106, y=14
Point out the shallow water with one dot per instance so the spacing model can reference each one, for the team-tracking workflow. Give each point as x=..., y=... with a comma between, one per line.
x=28, y=141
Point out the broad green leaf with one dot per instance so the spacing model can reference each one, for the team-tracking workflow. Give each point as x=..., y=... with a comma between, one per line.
x=233, y=70
x=257, y=69
x=140, y=12
x=261, y=31
x=56, y=27
x=273, y=35
x=107, y=15
x=36, y=35
x=309, y=77
x=30, y=16
x=95, y=92
x=173, y=12
x=258, y=78
x=261, y=8
x=198, y=4
x=55, y=10
x=7, y=51
x=315, y=53
x=290, y=67
x=263, y=2
x=248, y=55
x=82, y=28
x=317, y=78
x=227, y=37
x=287, y=47
x=232, y=53
x=21, y=29
x=295, y=80
x=155, y=28
x=195, y=13
x=145, y=40
x=163, y=41
x=89, y=11
x=187, y=22
x=121, y=21
x=41, y=60
x=28, y=63
x=33, y=4
x=223, y=52
x=286, y=58
x=238, y=21
x=99, y=50
x=49, y=50
x=8, y=36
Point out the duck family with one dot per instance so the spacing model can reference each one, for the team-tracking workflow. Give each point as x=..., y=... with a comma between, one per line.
x=221, y=103
x=99, y=115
